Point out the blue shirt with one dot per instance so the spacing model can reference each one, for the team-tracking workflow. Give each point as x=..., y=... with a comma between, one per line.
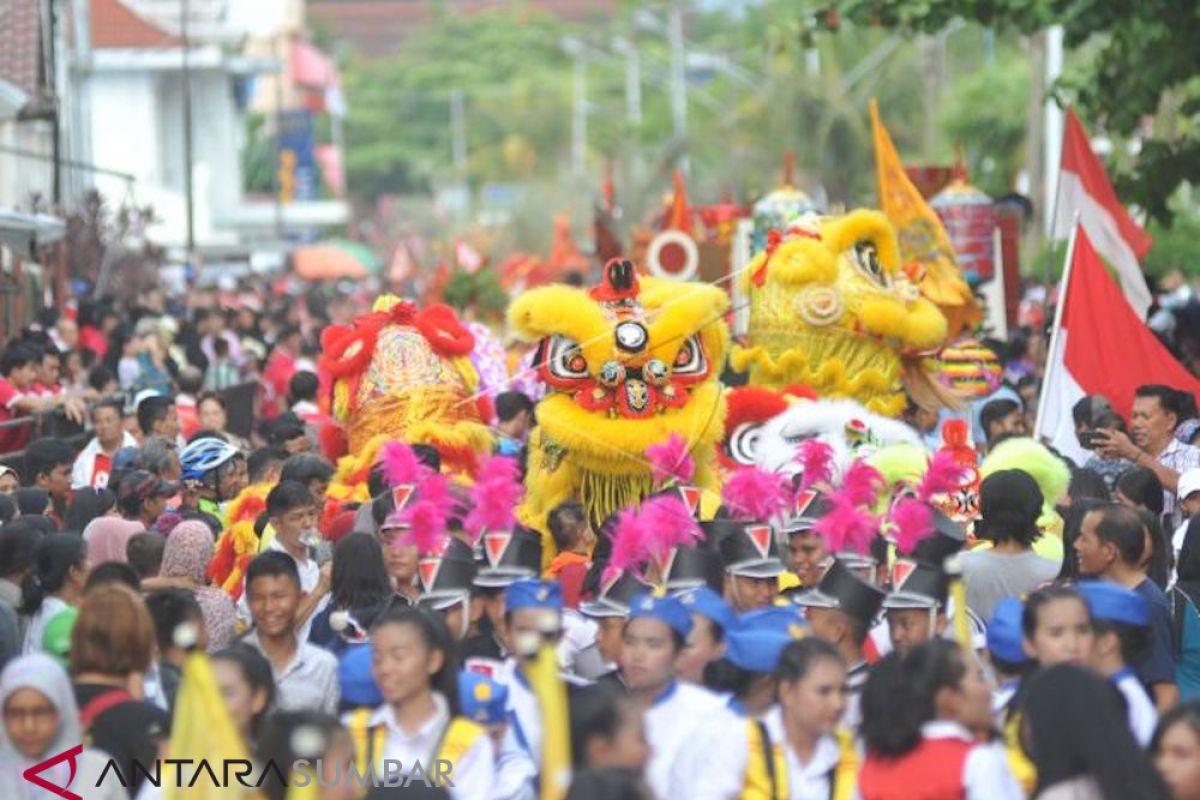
x=1160, y=666
x=1188, y=673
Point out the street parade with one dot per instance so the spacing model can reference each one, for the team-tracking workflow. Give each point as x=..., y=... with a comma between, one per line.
x=599, y=401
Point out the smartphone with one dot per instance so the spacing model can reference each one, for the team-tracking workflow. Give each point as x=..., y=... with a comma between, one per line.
x=1089, y=439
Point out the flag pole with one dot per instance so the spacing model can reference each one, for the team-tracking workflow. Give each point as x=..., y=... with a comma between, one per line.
x=1063, y=287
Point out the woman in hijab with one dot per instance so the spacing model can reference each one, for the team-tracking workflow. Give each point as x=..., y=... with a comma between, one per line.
x=88, y=504
x=1185, y=601
x=187, y=554
x=106, y=538
x=40, y=721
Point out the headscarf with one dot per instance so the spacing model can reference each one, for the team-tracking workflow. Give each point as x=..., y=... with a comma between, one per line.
x=41, y=672
x=106, y=538
x=188, y=552
x=32, y=500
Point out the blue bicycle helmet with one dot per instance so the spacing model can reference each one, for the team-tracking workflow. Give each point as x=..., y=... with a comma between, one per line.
x=203, y=456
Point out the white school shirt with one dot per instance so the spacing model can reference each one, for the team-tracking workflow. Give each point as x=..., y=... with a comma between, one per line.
x=1143, y=716
x=986, y=775
x=310, y=576
x=524, y=715
x=715, y=732
x=721, y=774
x=472, y=774
x=673, y=717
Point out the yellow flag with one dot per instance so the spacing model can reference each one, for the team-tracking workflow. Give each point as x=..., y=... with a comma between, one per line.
x=551, y=695
x=204, y=731
x=923, y=240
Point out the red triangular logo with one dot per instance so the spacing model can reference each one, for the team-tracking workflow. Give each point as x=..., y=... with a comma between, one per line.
x=900, y=572
x=427, y=569
x=401, y=495
x=33, y=774
x=804, y=499
x=760, y=535
x=494, y=545
x=691, y=498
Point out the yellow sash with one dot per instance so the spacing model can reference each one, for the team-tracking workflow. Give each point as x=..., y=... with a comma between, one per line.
x=460, y=735
x=758, y=784
x=1022, y=768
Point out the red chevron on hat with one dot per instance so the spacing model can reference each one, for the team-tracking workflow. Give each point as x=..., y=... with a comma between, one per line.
x=494, y=545
x=760, y=535
x=427, y=569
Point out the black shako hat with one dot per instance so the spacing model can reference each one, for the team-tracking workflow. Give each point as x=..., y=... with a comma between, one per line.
x=446, y=578
x=747, y=549
x=809, y=507
x=845, y=591
x=616, y=597
x=505, y=557
x=916, y=585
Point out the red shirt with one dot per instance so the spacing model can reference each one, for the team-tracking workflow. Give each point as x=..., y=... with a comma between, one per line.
x=277, y=374
x=14, y=438
x=933, y=770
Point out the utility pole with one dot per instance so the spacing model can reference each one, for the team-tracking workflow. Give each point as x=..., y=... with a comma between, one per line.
x=577, y=51
x=633, y=80
x=678, y=79
x=189, y=201
x=1052, y=130
x=458, y=133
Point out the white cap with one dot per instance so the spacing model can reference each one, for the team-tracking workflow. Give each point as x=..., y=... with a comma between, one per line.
x=145, y=394
x=1189, y=483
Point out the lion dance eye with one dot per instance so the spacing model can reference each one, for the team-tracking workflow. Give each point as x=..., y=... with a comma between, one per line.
x=690, y=359
x=866, y=257
x=565, y=360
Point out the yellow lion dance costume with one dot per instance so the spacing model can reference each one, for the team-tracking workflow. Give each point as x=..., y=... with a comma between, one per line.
x=401, y=373
x=627, y=363
x=831, y=308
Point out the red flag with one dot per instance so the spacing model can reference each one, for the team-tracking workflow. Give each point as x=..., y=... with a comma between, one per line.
x=1084, y=188
x=1102, y=347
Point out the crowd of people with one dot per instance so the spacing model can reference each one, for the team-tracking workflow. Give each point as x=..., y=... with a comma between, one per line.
x=781, y=668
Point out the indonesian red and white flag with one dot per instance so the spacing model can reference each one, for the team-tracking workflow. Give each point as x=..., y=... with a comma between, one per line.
x=1084, y=188
x=1102, y=347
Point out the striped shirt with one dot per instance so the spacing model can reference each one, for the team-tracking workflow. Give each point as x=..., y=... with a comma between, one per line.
x=1179, y=457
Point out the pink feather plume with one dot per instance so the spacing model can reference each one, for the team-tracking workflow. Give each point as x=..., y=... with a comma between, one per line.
x=401, y=465
x=944, y=475
x=754, y=493
x=912, y=522
x=435, y=488
x=816, y=459
x=862, y=483
x=847, y=527
x=671, y=461
x=628, y=545
x=494, y=497
x=667, y=523
x=426, y=526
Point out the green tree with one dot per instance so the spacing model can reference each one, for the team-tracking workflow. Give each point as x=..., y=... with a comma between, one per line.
x=1142, y=62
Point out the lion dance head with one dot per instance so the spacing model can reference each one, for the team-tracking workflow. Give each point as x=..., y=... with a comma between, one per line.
x=627, y=363
x=831, y=308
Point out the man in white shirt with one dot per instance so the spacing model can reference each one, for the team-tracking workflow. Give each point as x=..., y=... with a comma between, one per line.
x=293, y=515
x=94, y=462
x=305, y=675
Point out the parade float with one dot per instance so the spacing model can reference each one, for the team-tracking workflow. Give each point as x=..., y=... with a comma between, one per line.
x=627, y=364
